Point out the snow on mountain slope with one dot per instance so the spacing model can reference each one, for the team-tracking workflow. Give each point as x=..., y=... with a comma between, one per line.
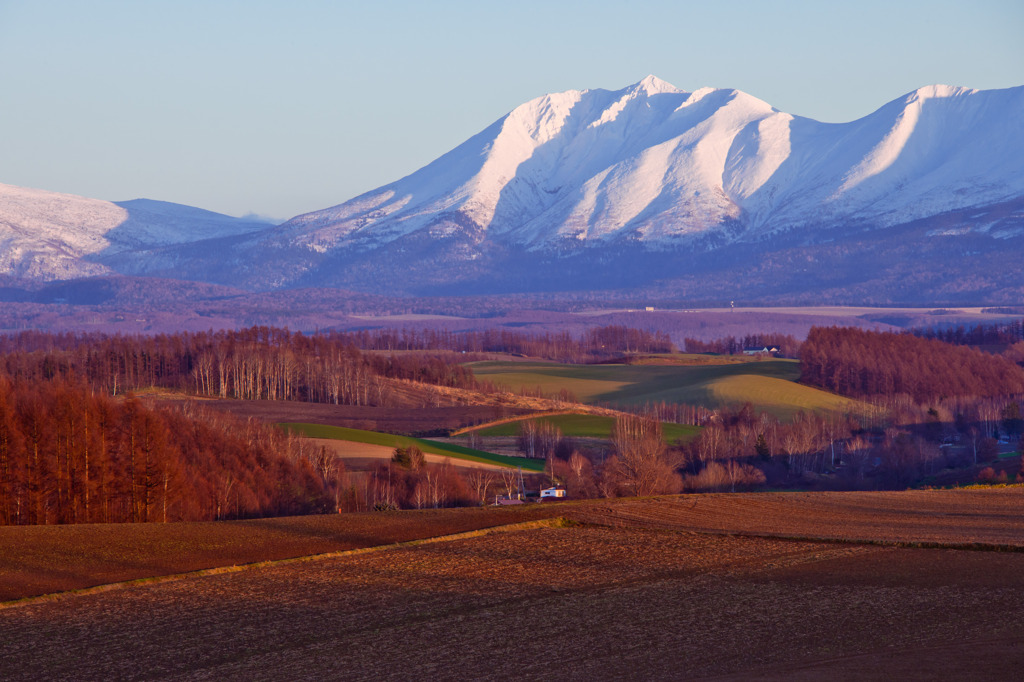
x=159, y=223
x=587, y=189
x=654, y=164
x=935, y=150
x=47, y=235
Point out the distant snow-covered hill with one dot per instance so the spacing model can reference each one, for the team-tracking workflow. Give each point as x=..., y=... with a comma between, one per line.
x=47, y=235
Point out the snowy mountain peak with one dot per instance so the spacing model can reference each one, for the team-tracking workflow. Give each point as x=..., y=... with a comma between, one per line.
x=582, y=187
x=654, y=164
x=939, y=92
x=541, y=119
x=652, y=85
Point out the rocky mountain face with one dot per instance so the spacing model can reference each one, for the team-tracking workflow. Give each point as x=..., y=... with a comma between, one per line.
x=707, y=194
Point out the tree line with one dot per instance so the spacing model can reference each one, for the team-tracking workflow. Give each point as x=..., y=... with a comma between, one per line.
x=267, y=363
x=71, y=455
x=995, y=334
x=260, y=363
x=592, y=345
x=788, y=345
x=861, y=363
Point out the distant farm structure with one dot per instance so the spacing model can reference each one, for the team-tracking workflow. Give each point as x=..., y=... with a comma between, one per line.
x=762, y=350
x=557, y=492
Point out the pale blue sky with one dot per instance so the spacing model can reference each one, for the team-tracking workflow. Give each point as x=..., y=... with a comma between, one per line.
x=279, y=108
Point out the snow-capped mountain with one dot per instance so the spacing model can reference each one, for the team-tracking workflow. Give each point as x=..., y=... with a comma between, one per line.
x=712, y=194
x=666, y=168
x=47, y=235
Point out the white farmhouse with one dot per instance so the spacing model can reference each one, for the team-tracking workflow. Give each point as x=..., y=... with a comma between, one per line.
x=553, y=493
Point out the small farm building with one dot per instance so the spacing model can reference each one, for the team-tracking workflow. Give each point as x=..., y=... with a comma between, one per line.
x=554, y=493
x=758, y=350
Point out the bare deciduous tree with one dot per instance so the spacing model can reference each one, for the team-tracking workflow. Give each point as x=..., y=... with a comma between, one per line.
x=480, y=481
x=641, y=463
x=538, y=439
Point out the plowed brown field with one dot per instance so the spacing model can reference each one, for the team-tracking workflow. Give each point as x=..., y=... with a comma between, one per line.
x=37, y=560
x=925, y=517
x=390, y=419
x=669, y=588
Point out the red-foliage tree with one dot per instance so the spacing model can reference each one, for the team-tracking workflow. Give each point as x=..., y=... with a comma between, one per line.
x=69, y=455
x=861, y=363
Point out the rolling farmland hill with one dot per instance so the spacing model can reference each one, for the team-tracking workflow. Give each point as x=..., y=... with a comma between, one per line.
x=768, y=385
x=429, y=447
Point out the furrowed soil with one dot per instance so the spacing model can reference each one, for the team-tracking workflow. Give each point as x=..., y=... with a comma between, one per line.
x=684, y=587
x=941, y=517
x=37, y=560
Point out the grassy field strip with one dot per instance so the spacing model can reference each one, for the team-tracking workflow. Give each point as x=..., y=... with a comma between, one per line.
x=509, y=420
x=579, y=426
x=427, y=446
x=589, y=383
x=556, y=522
x=782, y=397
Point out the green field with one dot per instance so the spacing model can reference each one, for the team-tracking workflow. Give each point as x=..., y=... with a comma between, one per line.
x=769, y=385
x=427, y=446
x=589, y=426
